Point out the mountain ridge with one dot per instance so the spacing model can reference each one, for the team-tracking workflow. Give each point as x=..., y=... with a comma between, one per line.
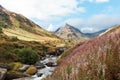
x=69, y=32
x=95, y=59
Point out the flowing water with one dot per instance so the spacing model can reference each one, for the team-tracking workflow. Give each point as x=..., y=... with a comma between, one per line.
x=47, y=71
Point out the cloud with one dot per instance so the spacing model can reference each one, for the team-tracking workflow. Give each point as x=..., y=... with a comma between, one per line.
x=97, y=1
x=95, y=22
x=50, y=27
x=74, y=21
x=43, y=9
x=87, y=29
x=102, y=1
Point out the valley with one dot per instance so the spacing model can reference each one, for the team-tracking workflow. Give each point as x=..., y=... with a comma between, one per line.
x=29, y=52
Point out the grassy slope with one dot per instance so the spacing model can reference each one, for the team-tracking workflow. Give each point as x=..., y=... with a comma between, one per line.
x=18, y=25
x=9, y=48
x=97, y=59
x=29, y=33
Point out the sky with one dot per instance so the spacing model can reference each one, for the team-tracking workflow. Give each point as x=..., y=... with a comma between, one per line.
x=86, y=15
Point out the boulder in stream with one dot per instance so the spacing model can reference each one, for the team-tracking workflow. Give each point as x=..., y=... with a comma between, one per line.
x=39, y=74
x=39, y=65
x=51, y=64
x=24, y=68
x=3, y=72
x=31, y=70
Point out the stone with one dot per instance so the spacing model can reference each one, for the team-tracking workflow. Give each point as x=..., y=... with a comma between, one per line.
x=20, y=79
x=31, y=70
x=39, y=74
x=3, y=73
x=39, y=65
x=24, y=68
x=14, y=75
x=5, y=66
x=51, y=64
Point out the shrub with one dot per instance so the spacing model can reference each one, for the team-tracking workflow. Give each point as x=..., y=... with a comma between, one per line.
x=28, y=56
x=1, y=30
x=14, y=39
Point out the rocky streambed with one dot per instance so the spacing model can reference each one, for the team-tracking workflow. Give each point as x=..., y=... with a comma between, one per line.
x=50, y=63
x=37, y=71
x=44, y=67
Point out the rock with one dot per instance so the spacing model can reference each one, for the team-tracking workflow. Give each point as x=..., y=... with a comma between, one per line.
x=3, y=73
x=39, y=65
x=5, y=66
x=39, y=74
x=31, y=70
x=24, y=68
x=11, y=76
x=51, y=64
x=20, y=79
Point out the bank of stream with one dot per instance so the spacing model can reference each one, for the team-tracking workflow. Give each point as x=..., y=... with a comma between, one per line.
x=45, y=67
x=50, y=63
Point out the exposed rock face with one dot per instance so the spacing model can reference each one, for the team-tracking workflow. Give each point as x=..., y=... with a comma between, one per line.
x=69, y=32
x=3, y=72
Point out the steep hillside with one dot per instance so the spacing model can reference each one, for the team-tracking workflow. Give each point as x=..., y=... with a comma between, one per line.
x=23, y=42
x=17, y=25
x=97, y=59
x=70, y=33
x=10, y=46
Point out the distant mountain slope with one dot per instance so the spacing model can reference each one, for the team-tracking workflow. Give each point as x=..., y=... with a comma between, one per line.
x=17, y=25
x=96, y=59
x=69, y=32
x=111, y=30
x=95, y=34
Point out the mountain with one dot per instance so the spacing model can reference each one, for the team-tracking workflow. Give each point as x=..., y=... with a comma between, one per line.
x=23, y=42
x=14, y=24
x=95, y=34
x=69, y=32
x=96, y=59
x=99, y=33
x=18, y=32
x=111, y=30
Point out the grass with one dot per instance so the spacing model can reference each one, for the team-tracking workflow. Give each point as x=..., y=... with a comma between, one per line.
x=97, y=59
x=27, y=36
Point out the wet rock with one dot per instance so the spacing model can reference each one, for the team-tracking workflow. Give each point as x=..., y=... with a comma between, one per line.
x=11, y=76
x=24, y=68
x=39, y=65
x=39, y=74
x=5, y=66
x=31, y=70
x=20, y=79
x=3, y=73
x=51, y=64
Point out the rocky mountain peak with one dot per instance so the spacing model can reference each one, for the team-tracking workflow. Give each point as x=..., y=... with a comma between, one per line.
x=67, y=25
x=69, y=32
x=1, y=7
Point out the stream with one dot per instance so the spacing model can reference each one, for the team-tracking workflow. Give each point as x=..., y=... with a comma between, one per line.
x=45, y=67
x=47, y=70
